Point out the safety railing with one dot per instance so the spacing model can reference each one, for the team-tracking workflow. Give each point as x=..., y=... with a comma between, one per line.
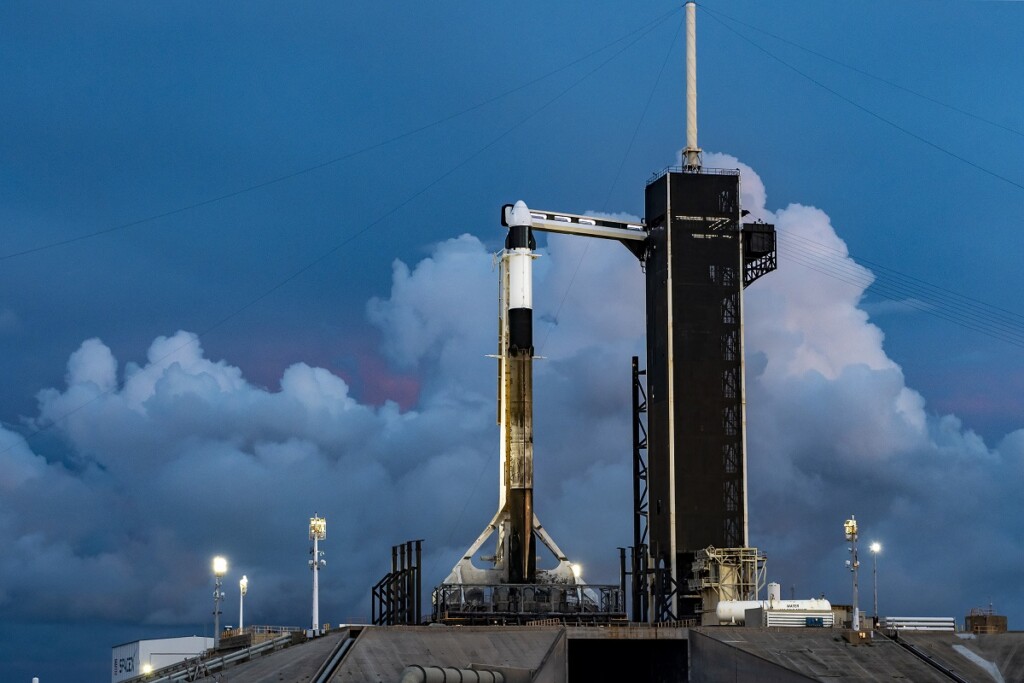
x=703, y=171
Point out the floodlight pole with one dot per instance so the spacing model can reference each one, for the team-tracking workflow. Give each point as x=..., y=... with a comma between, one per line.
x=874, y=571
x=243, y=588
x=850, y=528
x=216, y=612
x=317, y=533
x=875, y=549
x=220, y=567
x=316, y=585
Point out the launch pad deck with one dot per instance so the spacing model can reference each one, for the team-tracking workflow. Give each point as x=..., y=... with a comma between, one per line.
x=637, y=652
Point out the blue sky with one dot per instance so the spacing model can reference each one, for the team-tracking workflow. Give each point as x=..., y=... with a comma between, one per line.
x=344, y=314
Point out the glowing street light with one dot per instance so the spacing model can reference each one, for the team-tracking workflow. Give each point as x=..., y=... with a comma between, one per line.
x=243, y=588
x=876, y=548
x=220, y=568
x=317, y=533
x=577, y=570
x=850, y=529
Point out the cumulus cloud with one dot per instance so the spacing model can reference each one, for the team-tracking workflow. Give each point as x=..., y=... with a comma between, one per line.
x=181, y=457
x=834, y=430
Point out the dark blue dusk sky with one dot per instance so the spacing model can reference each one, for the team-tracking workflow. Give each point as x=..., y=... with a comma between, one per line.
x=204, y=381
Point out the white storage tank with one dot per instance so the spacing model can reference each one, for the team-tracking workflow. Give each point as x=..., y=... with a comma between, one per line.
x=919, y=623
x=142, y=656
x=735, y=611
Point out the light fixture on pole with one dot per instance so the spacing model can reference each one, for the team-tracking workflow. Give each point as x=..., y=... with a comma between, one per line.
x=220, y=568
x=850, y=529
x=876, y=548
x=243, y=588
x=317, y=533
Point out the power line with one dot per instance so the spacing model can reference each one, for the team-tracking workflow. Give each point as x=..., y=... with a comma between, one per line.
x=973, y=318
x=866, y=110
x=907, y=290
x=579, y=263
x=352, y=237
x=886, y=282
x=344, y=157
x=615, y=179
x=914, y=281
x=929, y=310
x=867, y=74
x=900, y=287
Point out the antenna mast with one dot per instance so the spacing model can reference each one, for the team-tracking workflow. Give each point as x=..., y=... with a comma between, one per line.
x=691, y=155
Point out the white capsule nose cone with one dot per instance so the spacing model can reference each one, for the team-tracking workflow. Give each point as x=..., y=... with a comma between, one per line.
x=520, y=214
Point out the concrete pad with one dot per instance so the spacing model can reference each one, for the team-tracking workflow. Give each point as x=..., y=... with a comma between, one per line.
x=381, y=652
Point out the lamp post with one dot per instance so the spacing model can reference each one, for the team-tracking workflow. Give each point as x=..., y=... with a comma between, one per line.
x=876, y=548
x=243, y=588
x=317, y=533
x=850, y=529
x=220, y=568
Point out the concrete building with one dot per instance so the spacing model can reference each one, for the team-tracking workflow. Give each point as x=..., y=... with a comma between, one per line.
x=143, y=656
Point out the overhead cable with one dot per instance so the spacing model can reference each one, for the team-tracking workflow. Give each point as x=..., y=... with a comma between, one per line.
x=348, y=155
x=358, y=233
x=866, y=110
x=615, y=179
x=862, y=72
x=909, y=291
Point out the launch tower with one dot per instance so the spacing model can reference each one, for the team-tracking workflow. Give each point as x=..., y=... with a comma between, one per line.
x=691, y=546
x=699, y=258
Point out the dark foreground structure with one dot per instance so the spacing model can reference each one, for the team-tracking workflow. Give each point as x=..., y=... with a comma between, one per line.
x=637, y=653
x=699, y=258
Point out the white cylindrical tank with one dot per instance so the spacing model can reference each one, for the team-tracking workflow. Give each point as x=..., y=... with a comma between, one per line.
x=735, y=611
x=774, y=592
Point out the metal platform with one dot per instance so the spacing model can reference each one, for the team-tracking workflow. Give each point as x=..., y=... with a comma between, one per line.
x=525, y=603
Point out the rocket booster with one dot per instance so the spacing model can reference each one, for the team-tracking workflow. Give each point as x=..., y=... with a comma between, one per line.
x=517, y=411
x=519, y=533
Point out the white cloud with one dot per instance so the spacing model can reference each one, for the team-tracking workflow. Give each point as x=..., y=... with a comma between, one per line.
x=187, y=458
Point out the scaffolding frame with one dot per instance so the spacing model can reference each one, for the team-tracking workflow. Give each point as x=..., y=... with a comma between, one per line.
x=727, y=574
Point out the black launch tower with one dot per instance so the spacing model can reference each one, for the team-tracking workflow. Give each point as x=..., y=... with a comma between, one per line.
x=699, y=257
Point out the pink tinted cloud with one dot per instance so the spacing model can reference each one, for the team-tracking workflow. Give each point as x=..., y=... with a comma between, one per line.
x=374, y=382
